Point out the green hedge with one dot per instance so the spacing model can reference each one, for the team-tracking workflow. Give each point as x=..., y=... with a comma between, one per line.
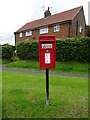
x=72, y=49
x=7, y=51
x=28, y=50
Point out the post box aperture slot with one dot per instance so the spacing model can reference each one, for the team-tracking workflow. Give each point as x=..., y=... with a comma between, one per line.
x=47, y=41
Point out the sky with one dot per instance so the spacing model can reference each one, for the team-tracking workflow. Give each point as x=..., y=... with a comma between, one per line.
x=15, y=13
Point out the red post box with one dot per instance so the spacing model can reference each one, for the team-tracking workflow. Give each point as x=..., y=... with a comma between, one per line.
x=47, y=52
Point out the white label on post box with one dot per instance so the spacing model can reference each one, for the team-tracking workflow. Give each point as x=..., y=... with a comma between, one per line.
x=47, y=58
x=46, y=45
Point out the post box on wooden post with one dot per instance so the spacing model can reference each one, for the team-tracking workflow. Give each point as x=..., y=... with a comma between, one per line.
x=47, y=57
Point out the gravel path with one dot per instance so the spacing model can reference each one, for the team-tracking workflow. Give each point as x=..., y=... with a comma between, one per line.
x=42, y=72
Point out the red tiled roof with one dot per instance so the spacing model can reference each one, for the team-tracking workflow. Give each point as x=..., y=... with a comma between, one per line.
x=56, y=18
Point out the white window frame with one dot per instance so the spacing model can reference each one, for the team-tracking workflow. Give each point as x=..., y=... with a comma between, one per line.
x=28, y=33
x=44, y=30
x=56, y=28
x=80, y=28
x=20, y=34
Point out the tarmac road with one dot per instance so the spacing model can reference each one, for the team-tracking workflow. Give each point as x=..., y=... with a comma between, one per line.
x=21, y=70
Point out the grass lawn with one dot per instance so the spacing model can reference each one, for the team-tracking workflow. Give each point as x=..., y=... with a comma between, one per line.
x=0, y=61
x=24, y=96
x=71, y=67
x=4, y=61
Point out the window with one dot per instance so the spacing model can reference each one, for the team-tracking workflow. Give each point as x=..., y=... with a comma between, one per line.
x=20, y=34
x=81, y=29
x=28, y=33
x=44, y=30
x=56, y=28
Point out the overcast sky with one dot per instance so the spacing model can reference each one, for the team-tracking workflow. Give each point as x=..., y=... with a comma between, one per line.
x=16, y=13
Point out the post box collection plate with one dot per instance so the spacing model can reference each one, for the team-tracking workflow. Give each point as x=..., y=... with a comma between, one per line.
x=47, y=58
x=47, y=52
x=46, y=45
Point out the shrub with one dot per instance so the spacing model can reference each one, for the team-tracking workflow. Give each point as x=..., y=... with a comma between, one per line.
x=88, y=31
x=71, y=49
x=14, y=48
x=28, y=50
x=7, y=51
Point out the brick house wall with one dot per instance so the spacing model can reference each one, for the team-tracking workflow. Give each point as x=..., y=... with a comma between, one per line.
x=63, y=33
x=81, y=20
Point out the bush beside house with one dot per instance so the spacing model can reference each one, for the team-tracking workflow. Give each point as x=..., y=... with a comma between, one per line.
x=75, y=49
x=88, y=31
x=28, y=50
x=72, y=49
x=7, y=51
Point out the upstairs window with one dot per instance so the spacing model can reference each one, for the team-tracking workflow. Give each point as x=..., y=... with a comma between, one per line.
x=56, y=28
x=28, y=33
x=20, y=34
x=80, y=28
x=44, y=30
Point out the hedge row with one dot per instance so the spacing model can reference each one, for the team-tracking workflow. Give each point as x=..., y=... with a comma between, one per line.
x=28, y=50
x=73, y=49
x=7, y=51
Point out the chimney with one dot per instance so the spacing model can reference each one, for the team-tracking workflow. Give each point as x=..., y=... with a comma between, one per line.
x=47, y=13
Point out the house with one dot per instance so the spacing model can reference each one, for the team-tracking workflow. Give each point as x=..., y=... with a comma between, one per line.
x=70, y=23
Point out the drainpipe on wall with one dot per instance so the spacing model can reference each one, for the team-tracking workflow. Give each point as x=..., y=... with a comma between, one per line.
x=69, y=29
